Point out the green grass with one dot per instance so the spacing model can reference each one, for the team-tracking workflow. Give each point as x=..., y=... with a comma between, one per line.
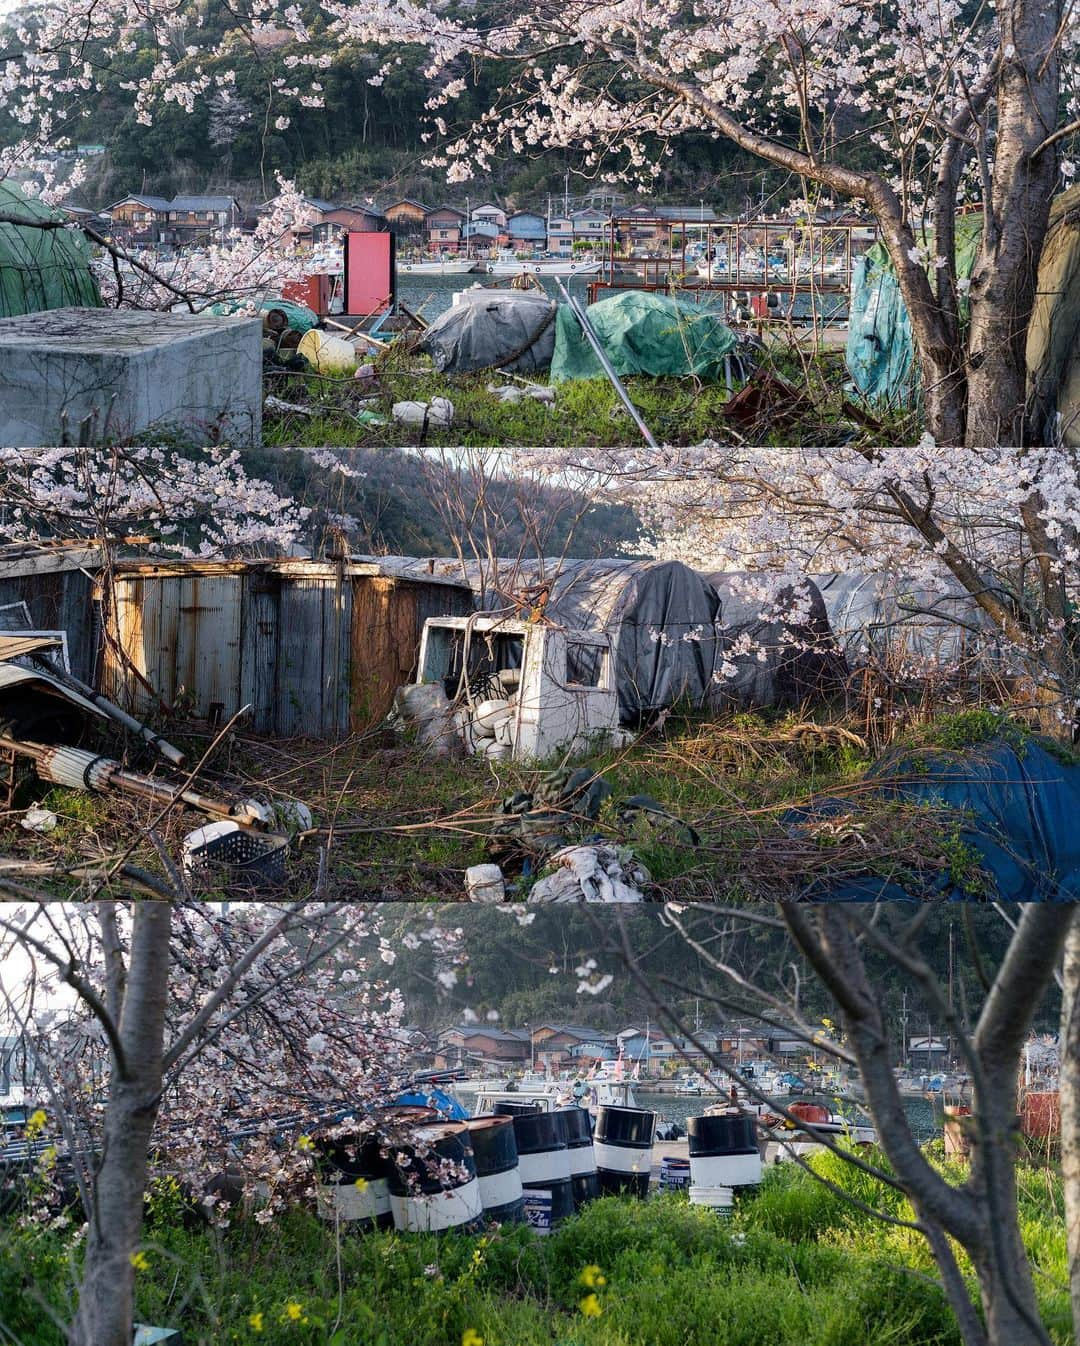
x=796, y=1266
x=406, y=825
x=586, y=412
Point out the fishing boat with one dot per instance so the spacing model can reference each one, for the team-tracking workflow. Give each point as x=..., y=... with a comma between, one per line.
x=445, y=266
x=507, y=264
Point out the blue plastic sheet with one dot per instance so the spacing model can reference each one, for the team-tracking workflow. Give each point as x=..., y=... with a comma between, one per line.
x=1018, y=808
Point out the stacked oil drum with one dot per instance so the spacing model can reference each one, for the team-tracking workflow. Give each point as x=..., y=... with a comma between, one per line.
x=433, y=1181
x=724, y=1156
x=622, y=1144
x=496, y=1155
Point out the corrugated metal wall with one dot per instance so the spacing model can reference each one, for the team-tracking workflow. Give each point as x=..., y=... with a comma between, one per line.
x=60, y=601
x=316, y=650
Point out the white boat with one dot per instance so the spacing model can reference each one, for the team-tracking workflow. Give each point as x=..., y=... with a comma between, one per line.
x=445, y=266
x=506, y=264
x=548, y=1094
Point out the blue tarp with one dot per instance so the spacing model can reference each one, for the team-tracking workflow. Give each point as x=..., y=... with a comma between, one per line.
x=1018, y=809
x=434, y=1098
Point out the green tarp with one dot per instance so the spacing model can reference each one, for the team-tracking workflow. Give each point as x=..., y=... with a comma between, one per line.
x=299, y=317
x=642, y=333
x=880, y=352
x=41, y=268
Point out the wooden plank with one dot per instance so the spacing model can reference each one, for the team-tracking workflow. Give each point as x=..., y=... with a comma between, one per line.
x=30, y=561
x=14, y=647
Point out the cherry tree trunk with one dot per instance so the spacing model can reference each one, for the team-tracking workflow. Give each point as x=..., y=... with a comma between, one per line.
x=106, y=1310
x=1004, y=278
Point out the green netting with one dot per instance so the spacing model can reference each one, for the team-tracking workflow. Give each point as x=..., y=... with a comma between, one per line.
x=642, y=333
x=41, y=268
x=880, y=352
x=1053, y=344
x=299, y=317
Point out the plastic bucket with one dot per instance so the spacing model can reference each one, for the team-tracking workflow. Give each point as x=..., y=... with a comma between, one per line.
x=622, y=1143
x=496, y=1156
x=584, y=1182
x=326, y=353
x=719, y=1199
x=544, y=1159
x=674, y=1174
x=423, y=1199
x=723, y=1151
x=353, y=1182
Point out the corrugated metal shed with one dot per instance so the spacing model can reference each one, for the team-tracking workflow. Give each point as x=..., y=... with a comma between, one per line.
x=316, y=648
x=56, y=584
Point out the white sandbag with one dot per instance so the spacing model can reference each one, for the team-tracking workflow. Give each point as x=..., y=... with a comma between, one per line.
x=592, y=874
x=438, y=412
x=426, y=706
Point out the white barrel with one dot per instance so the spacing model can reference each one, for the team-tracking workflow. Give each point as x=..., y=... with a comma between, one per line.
x=349, y=1202
x=76, y=769
x=728, y=1170
x=719, y=1199
x=422, y=1199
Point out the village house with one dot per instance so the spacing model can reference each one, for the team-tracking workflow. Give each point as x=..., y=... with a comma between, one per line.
x=481, y=236
x=562, y=1046
x=406, y=216
x=560, y=236
x=470, y=1044
x=490, y=213
x=527, y=232
x=589, y=226
x=197, y=218
x=138, y=219
x=444, y=227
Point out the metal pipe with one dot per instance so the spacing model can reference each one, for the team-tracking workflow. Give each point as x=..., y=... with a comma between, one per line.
x=112, y=710
x=78, y=769
x=605, y=363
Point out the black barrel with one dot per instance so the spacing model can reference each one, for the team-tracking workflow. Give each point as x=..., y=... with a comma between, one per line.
x=522, y=1109
x=544, y=1159
x=583, y=1177
x=622, y=1144
x=353, y=1181
x=422, y=1199
x=723, y=1151
x=495, y=1152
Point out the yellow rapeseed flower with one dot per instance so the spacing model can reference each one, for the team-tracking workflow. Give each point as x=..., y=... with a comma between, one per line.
x=592, y=1276
x=361, y=1184
x=255, y=1322
x=35, y=1123
x=470, y=1337
x=140, y=1261
x=590, y=1307
x=294, y=1311
x=305, y=1143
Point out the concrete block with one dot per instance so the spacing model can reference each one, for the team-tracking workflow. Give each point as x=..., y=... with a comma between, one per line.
x=195, y=376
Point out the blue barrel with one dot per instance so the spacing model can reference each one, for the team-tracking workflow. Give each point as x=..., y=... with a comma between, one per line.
x=352, y=1187
x=544, y=1159
x=674, y=1174
x=584, y=1182
x=622, y=1143
x=425, y=1199
x=723, y=1151
x=495, y=1152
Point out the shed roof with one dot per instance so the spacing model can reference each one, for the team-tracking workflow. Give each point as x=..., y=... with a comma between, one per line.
x=203, y=203
x=154, y=202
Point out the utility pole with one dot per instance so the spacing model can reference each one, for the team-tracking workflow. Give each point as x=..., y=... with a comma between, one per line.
x=903, y=1029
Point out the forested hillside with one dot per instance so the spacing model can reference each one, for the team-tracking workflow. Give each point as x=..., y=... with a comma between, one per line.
x=526, y=973
x=365, y=143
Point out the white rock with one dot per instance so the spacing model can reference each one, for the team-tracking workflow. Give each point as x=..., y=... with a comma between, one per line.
x=37, y=819
x=484, y=883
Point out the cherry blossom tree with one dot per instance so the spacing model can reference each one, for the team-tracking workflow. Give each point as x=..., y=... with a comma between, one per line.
x=837, y=944
x=198, y=503
x=188, y=1040
x=911, y=109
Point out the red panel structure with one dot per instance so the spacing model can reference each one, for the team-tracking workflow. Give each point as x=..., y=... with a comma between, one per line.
x=370, y=280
